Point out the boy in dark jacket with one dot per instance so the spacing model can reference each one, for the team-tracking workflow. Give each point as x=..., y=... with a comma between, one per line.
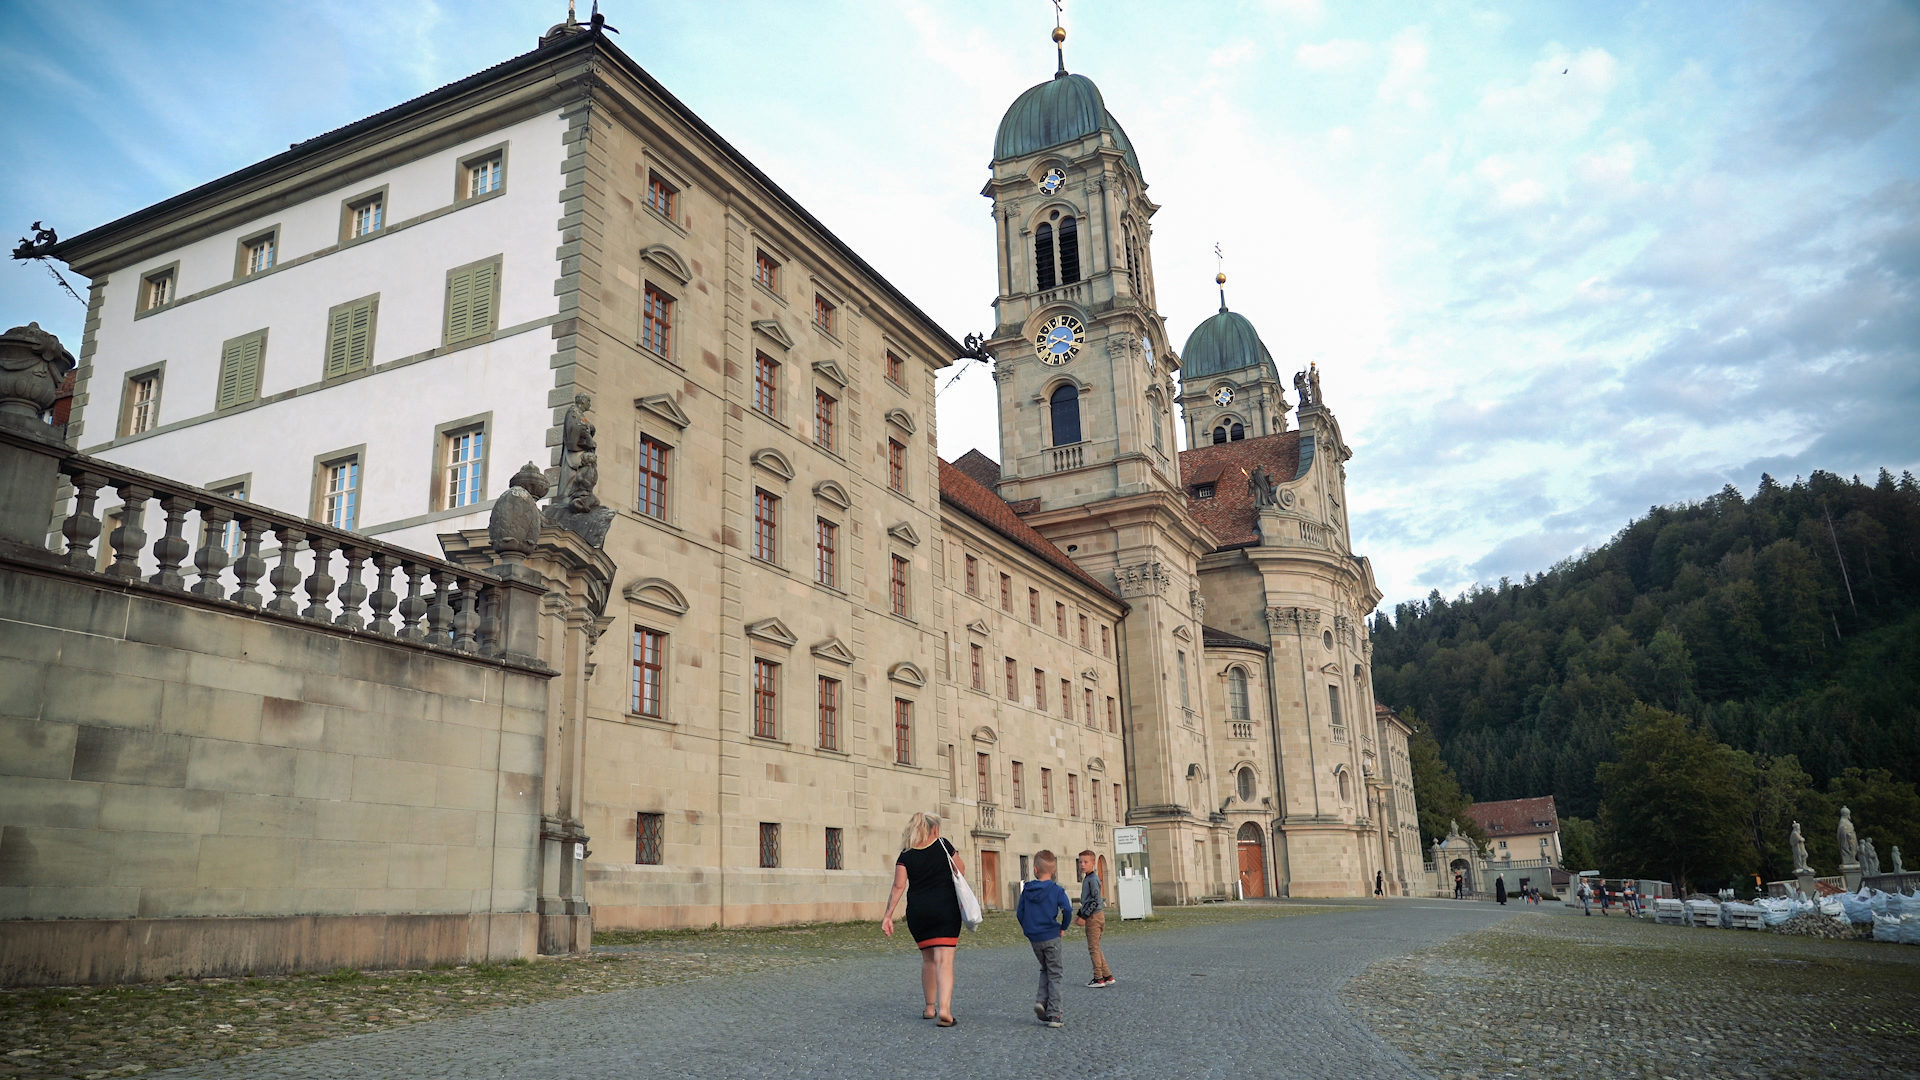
x=1093, y=916
x=1044, y=913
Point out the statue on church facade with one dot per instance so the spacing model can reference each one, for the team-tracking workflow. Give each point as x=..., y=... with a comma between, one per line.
x=1260, y=485
x=575, y=506
x=1869, y=858
x=1799, y=845
x=1849, y=842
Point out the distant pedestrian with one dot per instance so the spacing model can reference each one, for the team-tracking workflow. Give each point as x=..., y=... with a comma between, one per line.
x=1459, y=886
x=1606, y=899
x=1044, y=914
x=924, y=872
x=1500, y=891
x=1379, y=883
x=1586, y=895
x=1093, y=915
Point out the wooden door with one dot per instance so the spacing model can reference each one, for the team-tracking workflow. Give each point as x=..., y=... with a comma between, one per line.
x=1106, y=883
x=1253, y=871
x=990, y=879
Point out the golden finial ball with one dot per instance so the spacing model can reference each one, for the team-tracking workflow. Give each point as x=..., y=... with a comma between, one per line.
x=1219, y=279
x=1059, y=35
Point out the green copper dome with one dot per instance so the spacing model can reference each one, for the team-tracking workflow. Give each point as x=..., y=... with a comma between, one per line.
x=1064, y=109
x=1226, y=342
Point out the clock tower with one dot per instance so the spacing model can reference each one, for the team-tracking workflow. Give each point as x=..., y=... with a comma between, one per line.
x=1229, y=387
x=1084, y=371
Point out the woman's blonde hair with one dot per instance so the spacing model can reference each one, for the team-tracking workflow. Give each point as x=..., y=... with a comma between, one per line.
x=921, y=829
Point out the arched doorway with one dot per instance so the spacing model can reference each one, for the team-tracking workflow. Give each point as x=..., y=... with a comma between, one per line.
x=1253, y=862
x=1463, y=870
x=1106, y=883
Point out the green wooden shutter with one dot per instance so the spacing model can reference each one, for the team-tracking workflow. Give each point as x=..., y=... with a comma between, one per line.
x=459, y=303
x=337, y=333
x=350, y=338
x=480, y=315
x=472, y=300
x=240, y=372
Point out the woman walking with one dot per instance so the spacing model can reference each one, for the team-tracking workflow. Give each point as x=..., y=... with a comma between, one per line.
x=924, y=872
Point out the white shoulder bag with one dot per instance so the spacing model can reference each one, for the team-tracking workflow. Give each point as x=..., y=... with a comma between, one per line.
x=970, y=912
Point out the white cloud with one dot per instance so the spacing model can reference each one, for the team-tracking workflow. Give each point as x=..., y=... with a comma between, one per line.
x=1337, y=55
x=1406, y=79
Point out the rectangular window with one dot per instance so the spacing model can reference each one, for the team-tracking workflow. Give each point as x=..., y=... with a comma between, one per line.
x=973, y=576
x=366, y=218
x=1073, y=795
x=1093, y=798
x=823, y=404
x=1019, y=786
x=1335, y=718
x=896, y=465
x=983, y=777
x=1106, y=641
x=1119, y=816
x=899, y=586
x=229, y=538
x=1046, y=791
x=766, y=687
x=1066, y=698
x=826, y=542
x=1087, y=713
x=156, y=290
x=823, y=313
x=463, y=459
x=769, y=845
x=654, y=456
x=979, y=659
x=1006, y=593
x=1040, y=689
x=648, y=833
x=1084, y=642
x=766, y=510
x=662, y=198
x=340, y=493
x=766, y=271
x=142, y=409
x=836, y=850
x=484, y=174
x=902, y=731
x=240, y=363
x=350, y=336
x=656, y=321
x=1060, y=618
x=1013, y=680
x=649, y=671
x=766, y=384
x=1033, y=606
x=1185, y=701
x=896, y=369
x=1113, y=720
x=473, y=301
x=829, y=705
x=257, y=253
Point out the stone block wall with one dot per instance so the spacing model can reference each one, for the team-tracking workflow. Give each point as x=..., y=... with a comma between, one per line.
x=190, y=790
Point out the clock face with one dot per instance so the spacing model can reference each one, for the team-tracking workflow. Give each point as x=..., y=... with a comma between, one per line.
x=1146, y=350
x=1051, y=182
x=1223, y=395
x=1059, y=339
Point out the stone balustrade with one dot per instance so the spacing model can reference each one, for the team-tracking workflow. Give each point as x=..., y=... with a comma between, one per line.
x=176, y=538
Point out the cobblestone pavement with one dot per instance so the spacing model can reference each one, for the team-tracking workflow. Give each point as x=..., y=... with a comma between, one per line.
x=1254, y=997
x=1549, y=993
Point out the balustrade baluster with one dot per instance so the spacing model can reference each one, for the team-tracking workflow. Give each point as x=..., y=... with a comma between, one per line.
x=384, y=598
x=173, y=548
x=213, y=554
x=81, y=527
x=490, y=621
x=249, y=566
x=414, y=607
x=467, y=620
x=352, y=594
x=440, y=612
x=129, y=539
x=320, y=583
x=286, y=576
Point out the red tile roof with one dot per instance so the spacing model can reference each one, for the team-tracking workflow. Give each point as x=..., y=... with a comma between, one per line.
x=970, y=497
x=1516, y=817
x=982, y=469
x=1229, y=514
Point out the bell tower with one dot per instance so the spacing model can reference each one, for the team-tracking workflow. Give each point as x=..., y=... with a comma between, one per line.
x=1084, y=369
x=1229, y=387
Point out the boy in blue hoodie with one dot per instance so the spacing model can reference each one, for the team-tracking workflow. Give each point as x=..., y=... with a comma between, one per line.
x=1044, y=913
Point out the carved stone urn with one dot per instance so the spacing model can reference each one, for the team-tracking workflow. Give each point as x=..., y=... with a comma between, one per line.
x=32, y=363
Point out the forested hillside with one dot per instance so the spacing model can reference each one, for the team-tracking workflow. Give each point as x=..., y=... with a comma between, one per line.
x=1786, y=624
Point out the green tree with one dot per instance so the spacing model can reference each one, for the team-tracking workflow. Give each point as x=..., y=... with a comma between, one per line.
x=1676, y=805
x=1435, y=789
x=1783, y=794
x=1885, y=809
x=1579, y=844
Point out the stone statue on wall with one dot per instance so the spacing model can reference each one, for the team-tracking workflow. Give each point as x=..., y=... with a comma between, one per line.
x=1313, y=380
x=575, y=506
x=1869, y=858
x=1894, y=855
x=32, y=363
x=1799, y=845
x=1300, y=389
x=576, y=437
x=1260, y=484
x=1849, y=843
x=514, y=526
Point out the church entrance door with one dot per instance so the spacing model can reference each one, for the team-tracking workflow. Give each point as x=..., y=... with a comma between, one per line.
x=990, y=879
x=1253, y=862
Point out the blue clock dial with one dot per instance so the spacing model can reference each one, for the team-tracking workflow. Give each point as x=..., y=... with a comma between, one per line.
x=1059, y=339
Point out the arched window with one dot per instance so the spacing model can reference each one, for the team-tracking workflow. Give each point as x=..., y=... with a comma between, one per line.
x=1346, y=786
x=1219, y=435
x=1066, y=415
x=1069, y=251
x=1239, y=431
x=1237, y=695
x=1043, y=255
x=1133, y=259
x=1246, y=784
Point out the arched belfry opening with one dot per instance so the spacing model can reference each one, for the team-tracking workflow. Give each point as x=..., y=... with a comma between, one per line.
x=1056, y=252
x=1065, y=403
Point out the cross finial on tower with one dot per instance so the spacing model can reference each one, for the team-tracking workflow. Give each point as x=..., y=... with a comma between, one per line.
x=1220, y=274
x=1059, y=41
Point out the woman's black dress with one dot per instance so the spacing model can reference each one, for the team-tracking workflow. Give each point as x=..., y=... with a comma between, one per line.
x=933, y=910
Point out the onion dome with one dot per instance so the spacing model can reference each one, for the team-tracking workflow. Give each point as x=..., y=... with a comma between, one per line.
x=1064, y=109
x=1226, y=342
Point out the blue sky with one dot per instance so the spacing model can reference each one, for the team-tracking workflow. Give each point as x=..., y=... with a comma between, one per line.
x=1558, y=262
